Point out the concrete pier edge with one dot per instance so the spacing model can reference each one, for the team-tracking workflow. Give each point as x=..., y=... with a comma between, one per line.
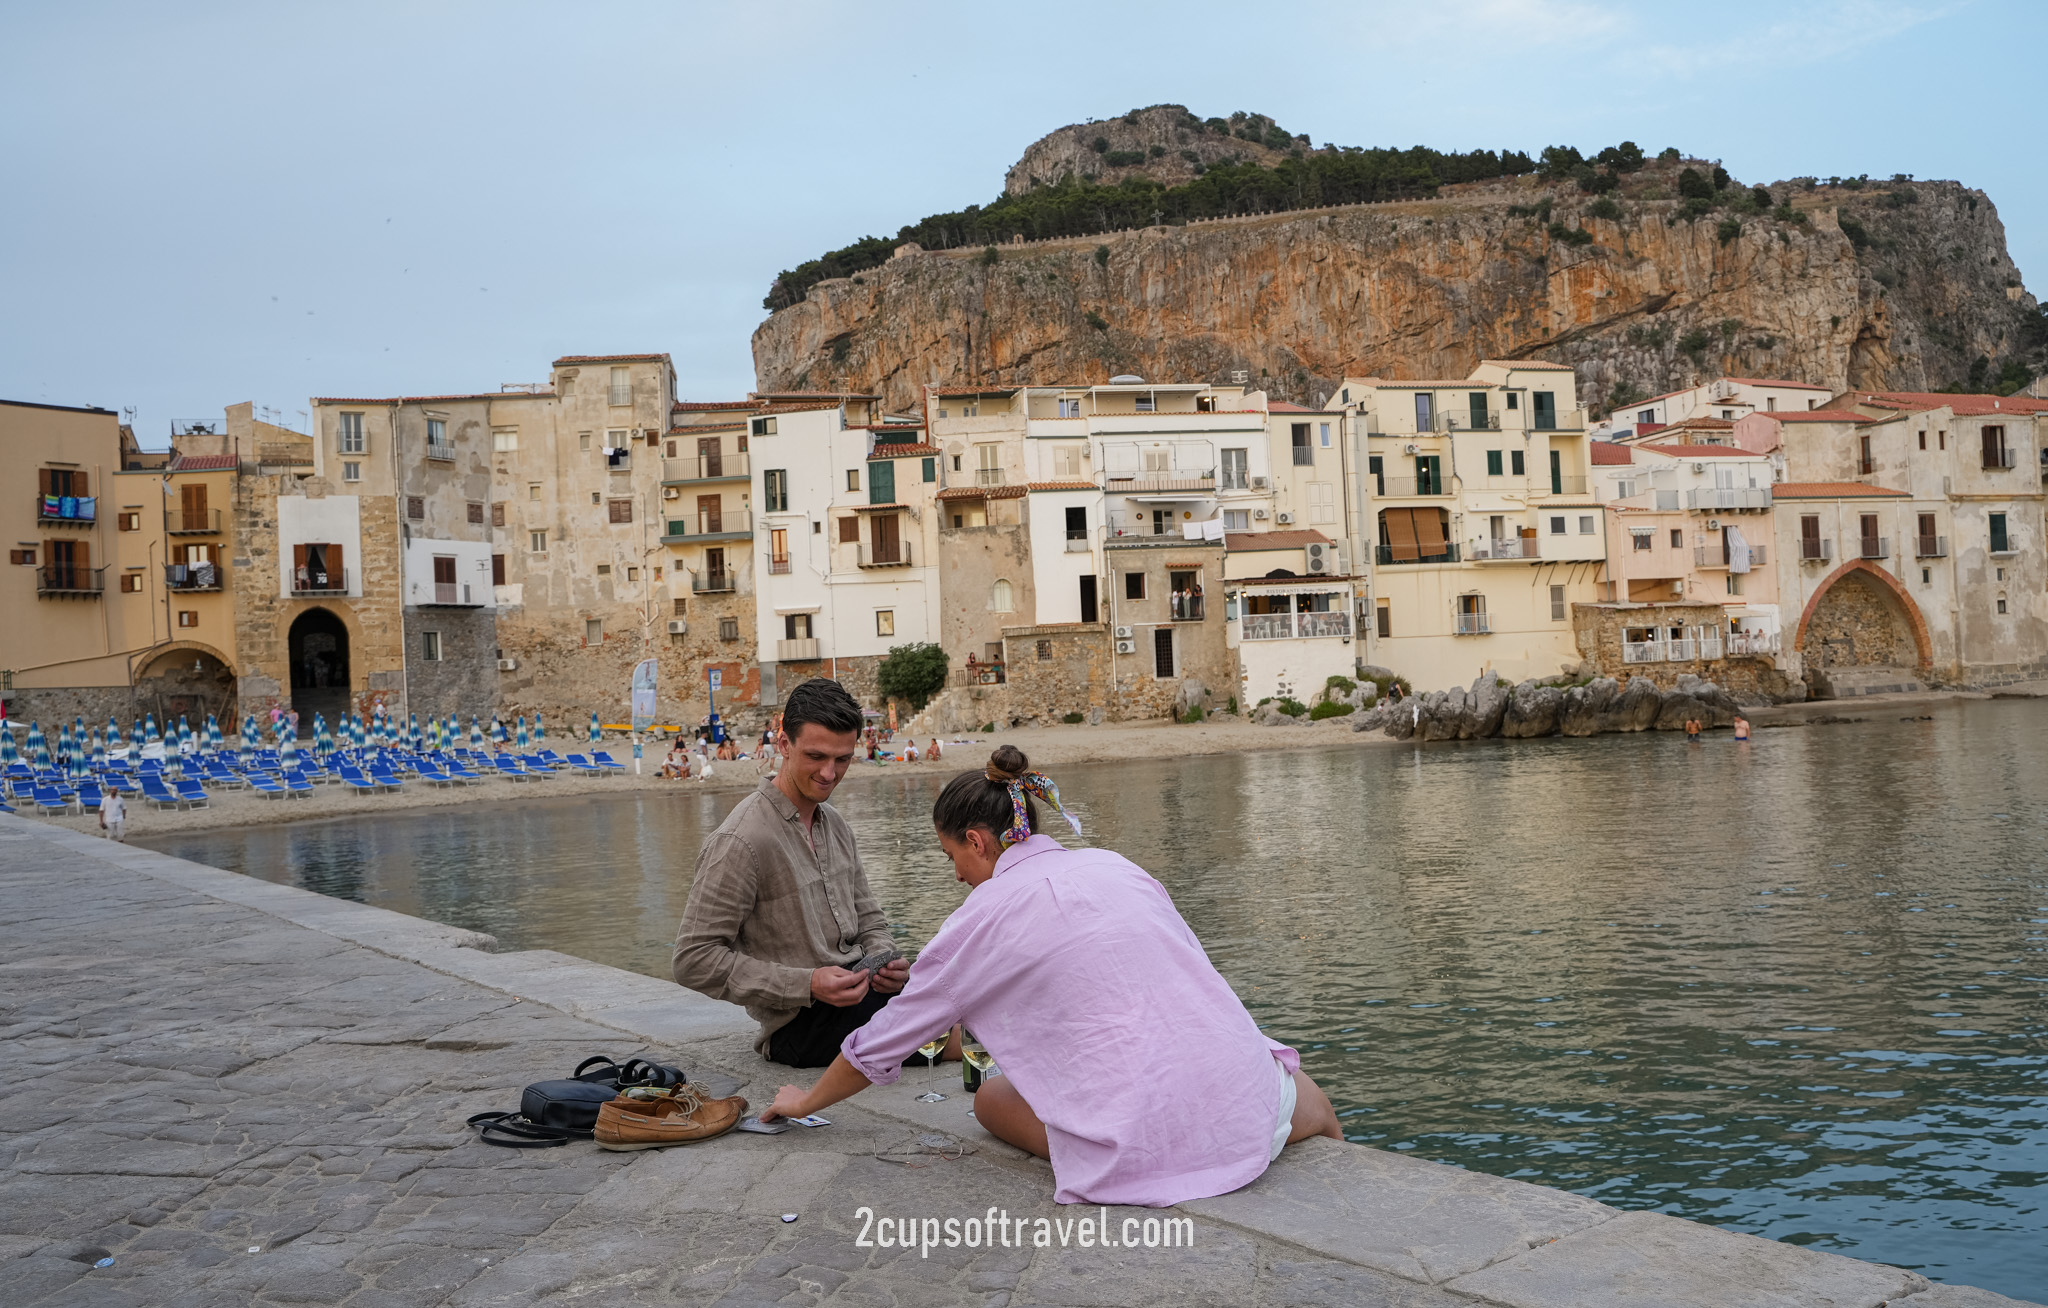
x=1483, y=1238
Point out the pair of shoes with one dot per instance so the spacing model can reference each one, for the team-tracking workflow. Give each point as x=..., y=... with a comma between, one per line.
x=681, y=1115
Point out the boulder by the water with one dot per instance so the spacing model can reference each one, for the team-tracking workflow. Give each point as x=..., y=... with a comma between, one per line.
x=1532, y=711
x=1491, y=707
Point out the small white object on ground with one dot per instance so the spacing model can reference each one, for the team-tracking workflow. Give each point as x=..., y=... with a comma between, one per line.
x=789, y=1217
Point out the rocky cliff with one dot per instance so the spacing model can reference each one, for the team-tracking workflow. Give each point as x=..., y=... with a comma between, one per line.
x=1164, y=142
x=1897, y=286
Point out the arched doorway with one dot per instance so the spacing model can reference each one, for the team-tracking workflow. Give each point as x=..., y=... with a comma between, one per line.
x=187, y=681
x=1861, y=633
x=318, y=648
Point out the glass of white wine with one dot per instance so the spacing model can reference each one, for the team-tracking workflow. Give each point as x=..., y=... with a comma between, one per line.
x=976, y=1062
x=930, y=1049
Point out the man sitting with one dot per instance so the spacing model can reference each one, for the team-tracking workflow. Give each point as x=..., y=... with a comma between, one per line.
x=780, y=908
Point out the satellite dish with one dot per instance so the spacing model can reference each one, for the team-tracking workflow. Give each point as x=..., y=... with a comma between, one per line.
x=1126, y=379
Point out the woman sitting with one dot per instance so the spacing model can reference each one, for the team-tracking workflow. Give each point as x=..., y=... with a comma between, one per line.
x=1125, y=1057
x=676, y=766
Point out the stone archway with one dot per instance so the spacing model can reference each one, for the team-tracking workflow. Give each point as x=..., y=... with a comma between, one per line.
x=317, y=652
x=186, y=679
x=1862, y=632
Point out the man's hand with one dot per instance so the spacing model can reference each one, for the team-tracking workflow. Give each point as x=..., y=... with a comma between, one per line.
x=838, y=987
x=892, y=976
x=789, y=1102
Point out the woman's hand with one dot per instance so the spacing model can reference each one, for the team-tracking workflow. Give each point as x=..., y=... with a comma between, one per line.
x=789, y=1102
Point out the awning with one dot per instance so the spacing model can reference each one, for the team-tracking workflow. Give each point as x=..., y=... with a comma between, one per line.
x=1398, y=525
x=801, y=608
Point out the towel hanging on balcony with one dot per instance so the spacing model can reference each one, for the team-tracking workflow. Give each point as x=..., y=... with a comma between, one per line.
x=1738, y=551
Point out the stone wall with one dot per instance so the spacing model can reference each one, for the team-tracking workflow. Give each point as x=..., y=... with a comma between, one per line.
x=1856, y=624
x=464, y=680
x=1598, y=630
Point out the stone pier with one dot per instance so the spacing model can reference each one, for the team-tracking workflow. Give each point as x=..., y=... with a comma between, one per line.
x=224, y=1091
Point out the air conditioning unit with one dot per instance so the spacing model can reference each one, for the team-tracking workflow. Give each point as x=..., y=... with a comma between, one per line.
x=1260, y=514
x=1123, y=633
x=1127, y=647
x=1699, y=467
x=1283, y=518
x=1713, y=524
x=1325, y=560
x=1411, y=448
x=677, y=627
x=508, y=665
x=1261, y=483
x=671, y=492
x=1678, y=588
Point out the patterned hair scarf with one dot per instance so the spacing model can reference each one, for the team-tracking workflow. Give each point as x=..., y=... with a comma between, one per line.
x=1033, y=783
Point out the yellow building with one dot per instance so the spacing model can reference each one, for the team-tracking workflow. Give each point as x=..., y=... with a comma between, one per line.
x=1476, y=506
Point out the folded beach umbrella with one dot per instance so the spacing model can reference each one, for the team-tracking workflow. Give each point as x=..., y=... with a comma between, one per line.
x=63, y=745
x=540, y=733
x=35, y=737
x=78, y=729
x=596, y=732
x=476, y=733
x=360, y=733
x=497, y=731
x=39, y=748
x=149, y=731
x=99, y=750
x=522, y=733
x=9, y=755
x=113, y=733
x=136, y=739
x=414, y=720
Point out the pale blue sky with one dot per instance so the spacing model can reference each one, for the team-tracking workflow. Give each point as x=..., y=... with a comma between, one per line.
x=208, y=203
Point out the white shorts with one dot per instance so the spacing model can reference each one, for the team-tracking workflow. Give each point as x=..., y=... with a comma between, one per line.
x=1284, y=1125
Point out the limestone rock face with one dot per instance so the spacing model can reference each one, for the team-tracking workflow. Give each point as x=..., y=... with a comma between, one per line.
x=1531, y=711
x=1427, y=288
x=1172, y=141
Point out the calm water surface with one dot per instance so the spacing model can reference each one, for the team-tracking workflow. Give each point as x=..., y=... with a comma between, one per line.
x=1796, y=987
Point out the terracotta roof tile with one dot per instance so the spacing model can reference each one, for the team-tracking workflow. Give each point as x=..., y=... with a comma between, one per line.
x=707, y=428
x=1964, y=406
x=431, y=399
x=1064, y=486
x=1814, y=415
x=1431, y=383
x=902, y=451
x=1529, y=363
x=1791, y=385
x=1832, y=490
x=707, y=405
x=608, y=358
x=1702, y=451
x=204, y=462
x=1607, y=453
x=1272, y=540
x=1704, y=422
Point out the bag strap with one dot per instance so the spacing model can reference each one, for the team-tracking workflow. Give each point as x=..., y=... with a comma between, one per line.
x=518, y=1133
x=640, y=1071
x=608, y=1069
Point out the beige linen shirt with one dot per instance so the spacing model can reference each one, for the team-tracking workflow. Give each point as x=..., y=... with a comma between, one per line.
x=771, y=902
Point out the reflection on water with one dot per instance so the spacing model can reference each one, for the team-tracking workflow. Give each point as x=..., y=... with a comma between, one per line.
x=1795, y=987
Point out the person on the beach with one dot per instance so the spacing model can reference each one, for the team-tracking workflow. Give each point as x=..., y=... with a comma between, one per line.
x=1126, y=1058
x=114, y=817
x=1692, y=728
x=1741, y=727
x=677, y=765
x=910, y=751
x=933, y=753
x=780, y=909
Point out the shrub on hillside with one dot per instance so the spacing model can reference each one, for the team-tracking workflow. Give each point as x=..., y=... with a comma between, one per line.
x=913, y=673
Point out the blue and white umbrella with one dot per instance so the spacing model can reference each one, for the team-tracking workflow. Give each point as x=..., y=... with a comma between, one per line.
x=413, y=720
x=521, y=734
x=9, y=753
x=476, y=733
x=149, y=731
x=359, y=732
x=288, y=745
x=63, y=758
x=136, y=738
x=540, y=733
x=39, y=748
x=497, y=730
x=323, y=744
x=596, y=732
x=99, y=750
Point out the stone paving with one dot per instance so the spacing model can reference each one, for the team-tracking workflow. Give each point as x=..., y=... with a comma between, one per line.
x=243, y=1093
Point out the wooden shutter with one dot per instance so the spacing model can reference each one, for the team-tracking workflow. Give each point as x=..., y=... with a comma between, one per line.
x=849, y=530
x=622, y=510
x=498, y=515
x=497, y=569
x=444, y=570
x=1429, y=531
x=1809, y=530
x=298, y=561
x=1399, y=527
x=46, y=480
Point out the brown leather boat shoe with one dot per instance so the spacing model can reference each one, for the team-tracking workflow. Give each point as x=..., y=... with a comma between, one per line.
x=672, y=1117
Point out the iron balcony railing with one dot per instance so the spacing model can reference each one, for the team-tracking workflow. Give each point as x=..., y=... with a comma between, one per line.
x=1188, y=608
x=185, y=522
x=1752, y=642
x=1815, y=551
x=711, y=583
x=707, y=526
x=886, y=556
x=1468, y=422
x=1562, y=485
x=67, y=579
x=1930, y=547
x=334, y=581
x=1389, y=555
x=1471, y=624
x=443, y=450
x=989, y=477
x=1642, y=651
x=802, y=650
x=1515, y=547
x=1291, y=626
x=706, y=467
x=1724, y=499
x=778, y=564
x=454, y=594
x=1999, y=459
x=193, y=576
x=1876, y=547
x=1411, y=487
x=66, y=510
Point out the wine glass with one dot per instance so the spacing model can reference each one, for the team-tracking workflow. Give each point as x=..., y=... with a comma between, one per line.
x=978, y=1063
x=930, y=1049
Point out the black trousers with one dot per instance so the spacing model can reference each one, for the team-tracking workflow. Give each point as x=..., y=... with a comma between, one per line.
x=812, y=1038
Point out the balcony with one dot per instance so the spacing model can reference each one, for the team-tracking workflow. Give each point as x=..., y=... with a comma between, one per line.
x=986, y=477
x=1196, y=481
x=1930, y=547
x=180, y=522
x=444, y=451
x=1187, y=609
x=1815, y=551
x=66, y=510
x=1643, y=651
x=1727, y=499
x=63, y=580
x=1716, y=556
x=2001, y=459
x=1562, y=485
x=691, y=527
x=1077, y=544
x=711, y=583
x=797, y=651
x=1384, y=555
x=896, y=555
x=1399, y=488
x=334, y=581
x=706, y=467
x=778, y=564
x=193, y=578
x=1750, y=643
x=1471, y=624
x=1517, y=547
x=1876, y=547
x=453, y=595
x=1471, y=422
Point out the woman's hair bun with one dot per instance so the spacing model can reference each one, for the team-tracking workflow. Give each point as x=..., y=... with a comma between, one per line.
x=1007, y=764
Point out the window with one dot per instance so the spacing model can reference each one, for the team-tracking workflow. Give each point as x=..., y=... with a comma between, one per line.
x=1516, y=463
x=818, y=528
x=190, y=617
x=1926, y=576
x=498, y=514
x=1145, y=404
x=775, y=490
x=604, y=569
x=130, y=521
x=1493, y=463
x=956, y=463
x=351, y=472
x=930, y=469
x=999, y=597
x=1236, y=469
x=1471, y=615
x=1644, y=416
x=1162, y=651
x=622, y=386
x=1941, y=440
x=1070, y=408
x=1044, y=651
x=1994, y=448
x=796, y=626
x=849, y=530
x=1734, y=583
x=1545, y=404
x=2001, y=605
x=497, y=569
x=1077, y=523
x=1557, y=524
x=1586, y=524
x=617, y=438
x=853, y=479
x=762, y=427
x=537, y=542
x=1923, y=440
x=1425, y=411
x=620, y=510
x=2001, y=543
x=1237, y=519
x=504, y=438
x=1304, y=454
x=582, y=440
x=1557, y=606
x=1134, y=585
x=1066, y=461
x=882, y=482
x=682, y=607
x=1158, y=459
x=1864, y=463
x=1770, y=404
x=437, y=431
x=885, y=622
x=351, y=429
x=1677, y=539
x=1641, y=538
x=476, y=512
x=1323, y=435
x=415, y=507
x=131, y=583
x=430, y=646
x=988, y=464
x=1384, y=617
x=728, y=628
x=533, y=490
x=593, y=631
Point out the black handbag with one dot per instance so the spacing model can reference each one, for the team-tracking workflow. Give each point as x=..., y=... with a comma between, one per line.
x=552, y=1113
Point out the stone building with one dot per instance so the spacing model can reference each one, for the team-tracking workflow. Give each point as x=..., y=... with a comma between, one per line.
x=1291, y=625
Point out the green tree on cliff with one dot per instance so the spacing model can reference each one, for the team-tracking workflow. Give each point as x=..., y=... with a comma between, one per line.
x=913, y=673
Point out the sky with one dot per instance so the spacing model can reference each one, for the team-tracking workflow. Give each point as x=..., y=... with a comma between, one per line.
x=206, y=203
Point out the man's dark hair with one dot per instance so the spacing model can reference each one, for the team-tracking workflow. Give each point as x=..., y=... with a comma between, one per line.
x=823, y=701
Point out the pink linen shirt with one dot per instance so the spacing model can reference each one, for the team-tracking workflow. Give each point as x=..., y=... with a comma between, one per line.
x=1076, y=971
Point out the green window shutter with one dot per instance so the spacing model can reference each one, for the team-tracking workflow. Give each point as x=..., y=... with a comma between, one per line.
x=1493, y=463
x=931, y=469
x=882, y=482
x=1515, y=462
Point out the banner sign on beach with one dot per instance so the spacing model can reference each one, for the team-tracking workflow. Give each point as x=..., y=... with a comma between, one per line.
x=643, y=695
